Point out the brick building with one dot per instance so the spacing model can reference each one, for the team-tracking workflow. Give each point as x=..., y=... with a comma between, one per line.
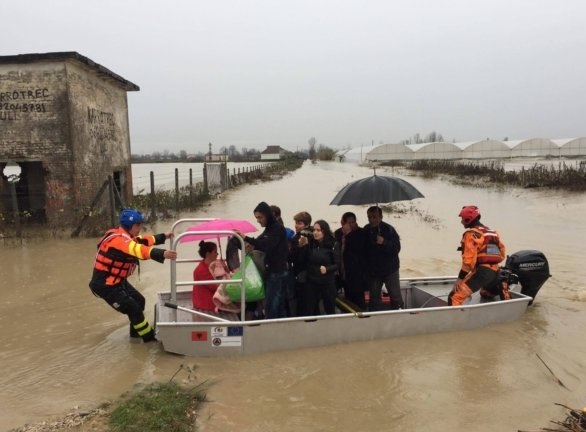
x=64, y=120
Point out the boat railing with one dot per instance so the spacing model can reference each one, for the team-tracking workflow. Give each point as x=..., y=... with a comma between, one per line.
x=210, y=234
x=196, y=312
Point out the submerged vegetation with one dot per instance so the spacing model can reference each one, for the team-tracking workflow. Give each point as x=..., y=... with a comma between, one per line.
x=564, y=175
x=575, y=421
x=158, y=407
x=401, y=208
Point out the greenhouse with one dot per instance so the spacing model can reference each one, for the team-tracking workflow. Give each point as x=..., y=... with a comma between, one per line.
x=391, y=152
x=357, y=154
x=484, y=149
x=436, y=150
x=534, y=147
x=572, y=147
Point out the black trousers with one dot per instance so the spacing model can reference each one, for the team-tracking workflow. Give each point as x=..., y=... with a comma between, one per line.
x=125, y=299
x=324, y=292
x=354, y=288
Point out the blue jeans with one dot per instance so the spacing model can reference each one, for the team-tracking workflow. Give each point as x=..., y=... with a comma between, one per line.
x=276, y=295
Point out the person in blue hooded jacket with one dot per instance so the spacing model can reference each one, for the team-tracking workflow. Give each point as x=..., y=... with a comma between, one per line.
x=273, y=242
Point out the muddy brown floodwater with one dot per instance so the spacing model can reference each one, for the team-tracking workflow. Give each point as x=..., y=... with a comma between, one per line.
x=61, y=347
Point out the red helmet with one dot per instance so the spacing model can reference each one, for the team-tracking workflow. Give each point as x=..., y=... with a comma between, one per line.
x=468, y=214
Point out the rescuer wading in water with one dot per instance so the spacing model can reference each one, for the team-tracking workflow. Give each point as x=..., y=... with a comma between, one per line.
x=118, y=253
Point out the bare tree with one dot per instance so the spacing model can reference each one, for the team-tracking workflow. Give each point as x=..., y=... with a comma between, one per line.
x=430, y=137
x=232, y=151
x=312, y=152
x=325, y=153
x=433, y=136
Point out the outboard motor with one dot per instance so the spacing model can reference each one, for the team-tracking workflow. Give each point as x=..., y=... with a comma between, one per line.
x=531, y=268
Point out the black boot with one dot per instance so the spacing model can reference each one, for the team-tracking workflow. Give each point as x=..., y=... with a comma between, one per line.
x=149, y=337
x=133, y=333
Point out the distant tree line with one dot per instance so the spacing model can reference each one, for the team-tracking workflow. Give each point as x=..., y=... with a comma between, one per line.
x=234, y=155
x=314, y=152
x=322, y=152
x=433, y=136
x=244, y=155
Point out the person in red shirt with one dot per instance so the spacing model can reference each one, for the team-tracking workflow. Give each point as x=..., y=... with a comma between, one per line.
x=202, y=295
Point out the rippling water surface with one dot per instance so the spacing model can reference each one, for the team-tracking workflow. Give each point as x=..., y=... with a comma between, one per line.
x=62, y=347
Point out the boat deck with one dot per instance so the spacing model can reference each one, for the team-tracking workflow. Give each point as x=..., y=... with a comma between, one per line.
x=416, y=294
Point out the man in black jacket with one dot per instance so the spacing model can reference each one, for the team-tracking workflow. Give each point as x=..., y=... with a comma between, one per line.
x=298, y=266
x=273, y=242
x=350, y=250
x=382, y=257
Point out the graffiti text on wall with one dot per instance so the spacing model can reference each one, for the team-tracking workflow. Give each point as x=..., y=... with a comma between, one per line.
x=15, y=102
x=101, y=124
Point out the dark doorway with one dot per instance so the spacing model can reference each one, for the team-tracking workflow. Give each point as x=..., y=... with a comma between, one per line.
x=30, y=192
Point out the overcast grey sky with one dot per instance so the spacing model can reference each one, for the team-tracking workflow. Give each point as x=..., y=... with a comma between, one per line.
x=256, y=73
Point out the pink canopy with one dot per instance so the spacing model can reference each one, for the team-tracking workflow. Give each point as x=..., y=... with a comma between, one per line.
x=218, y=225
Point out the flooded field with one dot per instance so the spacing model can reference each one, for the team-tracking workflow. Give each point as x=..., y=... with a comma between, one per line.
x=62, y=347
x=164, y=174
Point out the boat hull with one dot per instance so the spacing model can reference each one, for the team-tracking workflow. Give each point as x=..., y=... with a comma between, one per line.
x=183, y=332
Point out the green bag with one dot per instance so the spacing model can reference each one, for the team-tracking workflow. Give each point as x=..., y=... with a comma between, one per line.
x=254, y=288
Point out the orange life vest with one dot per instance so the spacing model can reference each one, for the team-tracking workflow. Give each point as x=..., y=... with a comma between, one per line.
x=490, y=251
x=117, y=264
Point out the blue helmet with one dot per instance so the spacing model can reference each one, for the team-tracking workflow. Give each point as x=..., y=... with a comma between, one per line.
x=129, y=217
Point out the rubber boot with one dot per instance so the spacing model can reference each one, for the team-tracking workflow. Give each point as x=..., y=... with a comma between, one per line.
x=144, y=329
x=133, y=333
x=149, y=337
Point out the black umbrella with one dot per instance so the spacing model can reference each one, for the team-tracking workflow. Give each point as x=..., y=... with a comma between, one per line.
x=375, y=190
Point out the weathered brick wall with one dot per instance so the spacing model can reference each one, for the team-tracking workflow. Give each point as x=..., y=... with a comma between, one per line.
x=34, y=125
x=99, y=131
x=74, y=119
